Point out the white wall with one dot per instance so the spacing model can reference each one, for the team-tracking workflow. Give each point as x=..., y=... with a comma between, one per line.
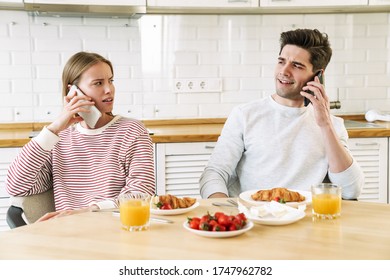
x=150, y=53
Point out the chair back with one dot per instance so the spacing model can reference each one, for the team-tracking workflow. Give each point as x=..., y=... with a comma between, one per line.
x=33, y=207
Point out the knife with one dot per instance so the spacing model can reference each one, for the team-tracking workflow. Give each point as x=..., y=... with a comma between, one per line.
x=160, y=220
x=115, y=212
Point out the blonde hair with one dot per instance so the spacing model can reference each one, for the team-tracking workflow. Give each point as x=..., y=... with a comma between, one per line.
x=77, y=65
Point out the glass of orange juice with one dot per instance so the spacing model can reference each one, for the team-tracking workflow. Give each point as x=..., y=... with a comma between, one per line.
x=326, y=201
x=134, y=211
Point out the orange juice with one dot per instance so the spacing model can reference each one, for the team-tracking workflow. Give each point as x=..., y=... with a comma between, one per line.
x=134, y=209
x=134, y=212
x=326, y=201
x=326, y=204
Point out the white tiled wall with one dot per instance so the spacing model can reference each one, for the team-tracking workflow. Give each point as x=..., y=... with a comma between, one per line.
x=150, y=52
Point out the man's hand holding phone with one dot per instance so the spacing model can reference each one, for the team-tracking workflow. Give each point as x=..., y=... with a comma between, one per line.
x=315, y=92
x=318, y=77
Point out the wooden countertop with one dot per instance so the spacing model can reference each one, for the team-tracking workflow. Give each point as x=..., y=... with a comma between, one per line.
x=171, y=131
x=362, y=233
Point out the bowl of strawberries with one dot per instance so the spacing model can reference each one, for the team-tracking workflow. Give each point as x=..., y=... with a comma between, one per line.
x=218, y=225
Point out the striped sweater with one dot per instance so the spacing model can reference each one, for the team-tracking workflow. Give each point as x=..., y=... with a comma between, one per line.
x=85, y=166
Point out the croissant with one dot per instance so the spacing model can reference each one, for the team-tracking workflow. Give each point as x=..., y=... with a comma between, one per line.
x=282, y=193
x=177, y=202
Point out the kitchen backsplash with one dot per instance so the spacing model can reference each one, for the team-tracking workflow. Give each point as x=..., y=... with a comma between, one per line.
x=153, y=53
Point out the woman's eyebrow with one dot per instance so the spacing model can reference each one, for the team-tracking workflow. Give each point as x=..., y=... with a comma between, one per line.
x=102, y=79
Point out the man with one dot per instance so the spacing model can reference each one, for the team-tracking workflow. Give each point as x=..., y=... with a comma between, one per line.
x=279, y=142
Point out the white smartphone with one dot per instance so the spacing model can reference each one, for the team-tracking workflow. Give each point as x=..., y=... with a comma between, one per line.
x=93, y=116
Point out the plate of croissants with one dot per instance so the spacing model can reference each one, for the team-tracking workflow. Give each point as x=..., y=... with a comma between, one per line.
x=172, y=205
x=281, y=195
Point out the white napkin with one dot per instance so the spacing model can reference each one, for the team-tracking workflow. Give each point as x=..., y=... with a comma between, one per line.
x=271, y=209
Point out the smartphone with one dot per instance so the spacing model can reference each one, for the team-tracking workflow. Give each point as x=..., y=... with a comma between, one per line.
x=321, y=78
x=93, y=116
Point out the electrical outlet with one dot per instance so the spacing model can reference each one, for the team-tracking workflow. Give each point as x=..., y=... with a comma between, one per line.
x=197, y=85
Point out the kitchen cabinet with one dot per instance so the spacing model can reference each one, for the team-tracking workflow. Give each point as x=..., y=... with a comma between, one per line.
x=372, y=155
x=379, y=2
x=11, y=5
x=306, y=3
x=7, y=155
x=203, y=3
x=89, y=2
x=126, y=8
x=4, y=204
x=261, y=7
x=388, y=171
x=179, y=166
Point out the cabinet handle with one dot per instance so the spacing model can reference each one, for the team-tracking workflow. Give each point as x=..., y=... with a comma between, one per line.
x=209, y=147
x=367, y=144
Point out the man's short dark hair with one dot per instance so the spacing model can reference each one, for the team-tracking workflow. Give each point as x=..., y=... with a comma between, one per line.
x=312, y=40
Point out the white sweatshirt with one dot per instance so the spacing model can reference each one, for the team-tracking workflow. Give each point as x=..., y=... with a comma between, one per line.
x=264, y=144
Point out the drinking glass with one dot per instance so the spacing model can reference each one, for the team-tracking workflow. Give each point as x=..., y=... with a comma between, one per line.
x=326, y=201
x=134, y=211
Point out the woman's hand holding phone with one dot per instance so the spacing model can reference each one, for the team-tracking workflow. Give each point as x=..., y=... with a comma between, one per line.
x=74, y=105
x=88, y=112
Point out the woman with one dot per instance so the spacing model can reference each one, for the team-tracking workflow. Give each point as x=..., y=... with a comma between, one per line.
x=87, y=168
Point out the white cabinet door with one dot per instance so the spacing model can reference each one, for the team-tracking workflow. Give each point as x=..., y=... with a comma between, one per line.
x=372, y=156
x=310, y=3
x=90, y=2
x=203, y=3
x=179, y=166
x=7, y=155
x=378, y=2
x=4, y=204
x=12, y=2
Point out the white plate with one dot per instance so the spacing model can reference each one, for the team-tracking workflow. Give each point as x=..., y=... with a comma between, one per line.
x=219, y=234
x=289, y=218
x=172, y=212
x=246, y=196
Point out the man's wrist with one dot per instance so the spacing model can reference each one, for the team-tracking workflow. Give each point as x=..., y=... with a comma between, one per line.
x=218, y=195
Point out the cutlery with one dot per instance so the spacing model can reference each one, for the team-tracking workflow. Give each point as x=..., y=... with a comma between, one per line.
x=106, y=210
x=232, y=201
x=115, y=212
x=160, y=220
x=222, y=204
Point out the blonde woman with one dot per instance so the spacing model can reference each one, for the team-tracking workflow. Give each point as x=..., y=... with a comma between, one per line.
x=86, y=167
